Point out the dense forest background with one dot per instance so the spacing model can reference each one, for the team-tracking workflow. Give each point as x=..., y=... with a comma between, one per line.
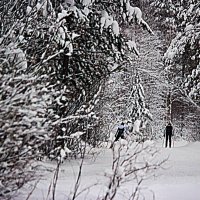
x=71, y=70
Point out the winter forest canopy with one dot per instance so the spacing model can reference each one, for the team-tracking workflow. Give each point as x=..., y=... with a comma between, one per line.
x=70, y=70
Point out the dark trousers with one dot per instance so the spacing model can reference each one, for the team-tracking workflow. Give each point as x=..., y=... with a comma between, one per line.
x=119, y=135
x=168, y=138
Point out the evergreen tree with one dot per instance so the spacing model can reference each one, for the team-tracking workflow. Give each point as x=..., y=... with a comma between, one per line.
x=55, y=57
x=139, y=113
x=181, y=21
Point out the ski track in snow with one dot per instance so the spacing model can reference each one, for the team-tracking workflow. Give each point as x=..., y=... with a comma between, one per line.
x=180, y=180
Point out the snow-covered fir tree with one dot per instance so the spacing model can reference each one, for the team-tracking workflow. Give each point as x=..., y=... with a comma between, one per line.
x=55, y=58
x=139, y=113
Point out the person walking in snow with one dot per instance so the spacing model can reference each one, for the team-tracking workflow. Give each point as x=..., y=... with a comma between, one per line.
x=119, y=133
x=168, y=134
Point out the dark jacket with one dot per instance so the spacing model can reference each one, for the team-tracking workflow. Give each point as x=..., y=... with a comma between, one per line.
x=169, y=130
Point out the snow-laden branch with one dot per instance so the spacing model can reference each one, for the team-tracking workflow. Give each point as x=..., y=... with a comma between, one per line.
x=146, y=26
x=132, y=46
x=52, y=56
x=135, y=14
x=75, y=117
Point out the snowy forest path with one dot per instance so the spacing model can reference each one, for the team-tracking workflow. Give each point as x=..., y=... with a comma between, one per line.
x=179, y=180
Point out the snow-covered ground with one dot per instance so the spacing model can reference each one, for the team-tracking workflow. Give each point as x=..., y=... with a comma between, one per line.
x=179, y=180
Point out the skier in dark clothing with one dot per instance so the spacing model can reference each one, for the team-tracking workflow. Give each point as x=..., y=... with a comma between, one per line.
x=119, y=133
x=168, y=134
